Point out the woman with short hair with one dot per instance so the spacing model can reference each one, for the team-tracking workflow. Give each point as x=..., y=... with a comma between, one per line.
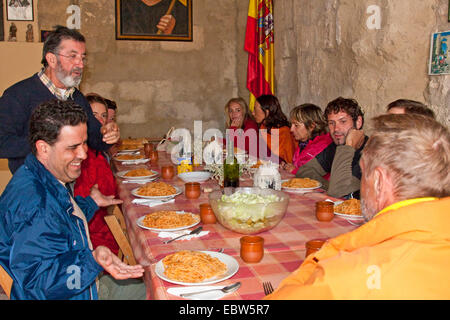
x=310, y=130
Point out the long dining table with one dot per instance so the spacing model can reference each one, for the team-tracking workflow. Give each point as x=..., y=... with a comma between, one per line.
x=284, y=245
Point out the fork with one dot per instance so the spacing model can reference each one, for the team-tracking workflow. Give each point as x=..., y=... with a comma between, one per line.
x=268, y=289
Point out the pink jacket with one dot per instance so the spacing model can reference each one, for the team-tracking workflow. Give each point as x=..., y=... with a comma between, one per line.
x=312, y=149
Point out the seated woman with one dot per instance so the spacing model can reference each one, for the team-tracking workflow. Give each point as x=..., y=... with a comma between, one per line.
x=238, y=117
x=310, y=130
x=96, y=170
x=269, y=116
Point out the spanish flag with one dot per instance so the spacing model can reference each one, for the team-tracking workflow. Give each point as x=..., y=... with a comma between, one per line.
x=260, y=47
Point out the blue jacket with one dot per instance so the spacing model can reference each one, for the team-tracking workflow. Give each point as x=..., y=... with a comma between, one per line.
x=43, y=246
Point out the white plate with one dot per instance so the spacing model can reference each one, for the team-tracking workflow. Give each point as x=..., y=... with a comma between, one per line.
x=195, y=176
x=298, y=190
x=231, y=263
x=122, y=175
x=347, y=216
x=131, y=160
x=128, y=150
x=134, y=193
x=140, y=224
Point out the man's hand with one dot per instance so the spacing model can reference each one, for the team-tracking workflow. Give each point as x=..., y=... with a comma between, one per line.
x=101, y=200
x=166, y=24
x=355, y=138
x=287, y=166
x=114, y=266
x=111, y=132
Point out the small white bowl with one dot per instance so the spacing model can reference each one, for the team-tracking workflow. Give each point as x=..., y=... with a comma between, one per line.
x=195, y=176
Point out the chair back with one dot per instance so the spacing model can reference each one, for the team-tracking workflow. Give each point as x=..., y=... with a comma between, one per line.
x=121, y=237
x=5, y=281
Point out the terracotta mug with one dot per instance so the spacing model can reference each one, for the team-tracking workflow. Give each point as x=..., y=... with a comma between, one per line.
x=252, y=248
x=148, y=148
x=313, y=246
x=192, y=190
x=324, y=210
x=167, y=172
x=207, y=214
x=154, y=156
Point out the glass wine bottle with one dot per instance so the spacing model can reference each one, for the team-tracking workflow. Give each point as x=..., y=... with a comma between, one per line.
x=230, y=166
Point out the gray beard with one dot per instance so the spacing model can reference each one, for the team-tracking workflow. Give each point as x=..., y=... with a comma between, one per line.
x=68, y=81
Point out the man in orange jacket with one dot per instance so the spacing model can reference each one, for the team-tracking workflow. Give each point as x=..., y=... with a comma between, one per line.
x=403, y=251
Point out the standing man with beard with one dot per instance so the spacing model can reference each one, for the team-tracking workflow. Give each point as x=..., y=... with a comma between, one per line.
x=403, y=249
x=63, y=58
x=337, y=166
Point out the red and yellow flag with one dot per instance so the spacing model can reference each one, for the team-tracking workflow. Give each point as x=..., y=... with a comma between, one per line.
x=260, y=47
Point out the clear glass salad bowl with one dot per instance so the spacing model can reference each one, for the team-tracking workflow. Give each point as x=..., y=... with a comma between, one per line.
x=249, y=210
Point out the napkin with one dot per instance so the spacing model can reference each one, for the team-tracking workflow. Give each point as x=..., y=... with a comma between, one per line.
x=135, y=161
x=172, y=235
x=151, y=203
x=138, y=181
x=212, y=295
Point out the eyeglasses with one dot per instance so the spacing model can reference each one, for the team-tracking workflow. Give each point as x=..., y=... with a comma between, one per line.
x=74, y=58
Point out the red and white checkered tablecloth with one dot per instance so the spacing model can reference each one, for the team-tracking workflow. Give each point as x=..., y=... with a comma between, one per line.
x=284, y=245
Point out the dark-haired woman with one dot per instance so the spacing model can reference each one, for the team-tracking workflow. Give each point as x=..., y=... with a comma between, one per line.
x=95, y=170
x=310, y=130
x=269, y=116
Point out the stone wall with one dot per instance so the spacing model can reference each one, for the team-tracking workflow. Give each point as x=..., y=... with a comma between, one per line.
x=325, y=49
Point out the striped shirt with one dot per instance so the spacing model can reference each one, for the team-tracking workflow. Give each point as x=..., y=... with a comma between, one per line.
x=60, y=94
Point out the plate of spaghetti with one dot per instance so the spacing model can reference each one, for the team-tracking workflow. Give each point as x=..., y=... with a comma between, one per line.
x=348, y=209
x=156, y=190
x=300, y=184
x=196, y=267
x=168, y=221
x=137, y=174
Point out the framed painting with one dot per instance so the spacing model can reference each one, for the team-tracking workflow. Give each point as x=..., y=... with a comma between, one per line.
x=2, y=30
x=19, y=10
x=439, y=54
x=154, y=20
x=44, y=34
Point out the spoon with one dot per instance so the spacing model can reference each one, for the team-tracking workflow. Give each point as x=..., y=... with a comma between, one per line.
x=228, y=289
x=195, y=231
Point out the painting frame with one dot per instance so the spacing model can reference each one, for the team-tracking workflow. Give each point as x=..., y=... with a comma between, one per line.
x=44, y=35
x=138, y=20
x=439, y=53
x=448, y=9
x=19, y=10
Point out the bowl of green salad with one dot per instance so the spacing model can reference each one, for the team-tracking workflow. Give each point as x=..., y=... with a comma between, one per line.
x=249, y=210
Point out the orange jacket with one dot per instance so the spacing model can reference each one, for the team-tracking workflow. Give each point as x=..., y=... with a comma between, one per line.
x=400, y=254
x=286, y=145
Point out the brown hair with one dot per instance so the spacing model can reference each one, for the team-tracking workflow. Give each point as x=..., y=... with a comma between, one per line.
x=244, y=107
x=276, y=118
x=349, y=106
x=415, y=149
x=311, y=116
x=95, y=97
x=411, y=106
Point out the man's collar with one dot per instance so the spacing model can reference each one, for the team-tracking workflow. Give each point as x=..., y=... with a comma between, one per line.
x=404, y=203
x=53, y=89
